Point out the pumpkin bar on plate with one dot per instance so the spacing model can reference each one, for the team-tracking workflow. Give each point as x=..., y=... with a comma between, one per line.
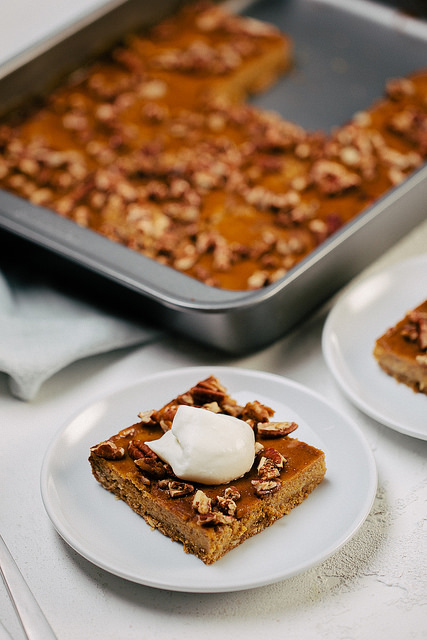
x=207, y=472
x=402, y=351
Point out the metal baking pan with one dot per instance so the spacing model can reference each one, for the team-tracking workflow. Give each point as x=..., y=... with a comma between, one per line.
x=344, y=53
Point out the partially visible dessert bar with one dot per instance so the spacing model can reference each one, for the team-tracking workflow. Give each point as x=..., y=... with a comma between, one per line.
x=402, y=351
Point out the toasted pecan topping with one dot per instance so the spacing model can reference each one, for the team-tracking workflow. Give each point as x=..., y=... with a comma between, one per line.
x=144, y=172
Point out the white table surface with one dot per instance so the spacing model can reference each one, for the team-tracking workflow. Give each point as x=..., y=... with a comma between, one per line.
x=374, y=587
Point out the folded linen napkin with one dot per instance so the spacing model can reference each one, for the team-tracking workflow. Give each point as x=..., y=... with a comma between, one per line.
x=43, y=330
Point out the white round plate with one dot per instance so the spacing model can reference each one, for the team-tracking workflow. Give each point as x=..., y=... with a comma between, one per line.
x=107, y=532
x=357, y=319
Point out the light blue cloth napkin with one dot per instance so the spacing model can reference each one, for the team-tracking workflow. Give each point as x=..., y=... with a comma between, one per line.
x=43, y=330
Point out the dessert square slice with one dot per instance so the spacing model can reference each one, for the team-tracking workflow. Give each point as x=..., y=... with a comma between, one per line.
x=209, y=519
x=402, y=351
x=205, y=51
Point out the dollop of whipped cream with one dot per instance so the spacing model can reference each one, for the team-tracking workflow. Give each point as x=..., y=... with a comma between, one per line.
x=206, y=447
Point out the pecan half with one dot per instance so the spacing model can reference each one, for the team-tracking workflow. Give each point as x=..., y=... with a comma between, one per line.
x=207, y=391
x=201, y=502
x=275, y=429
x=138, y=449
x=152, y=467
x=108, y=450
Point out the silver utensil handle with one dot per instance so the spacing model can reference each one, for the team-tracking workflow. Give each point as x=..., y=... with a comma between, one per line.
x=34, y=623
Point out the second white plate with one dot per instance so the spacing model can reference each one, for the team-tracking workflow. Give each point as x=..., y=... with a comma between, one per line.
x=109, y=534
x=358, y=318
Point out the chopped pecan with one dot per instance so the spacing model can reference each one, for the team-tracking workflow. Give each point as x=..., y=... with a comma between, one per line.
x=420, y=319
x=212, y=406
x=267, y=470
x=178, y=489
x=265, y=199
x=163, y=483
x=41, y=196
x=201, y=502
x=213, y=518
x=397, y=88
x=143, y=479
x=186, y=398
x=128, y=432
x=231, y=407
x=333, y=178
x=259, y=448
x=274, y=455
x=266, y=487
x=167, y=416
x=410, y=332
x=153, y=90
x=108, y=450
x=163, y=417
x=275, y=429
x=146, y=417
x=422, y=337
x=232, y=492
x=226, y=505
x=257, y=411
x=412, y=124
x=258, y=279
